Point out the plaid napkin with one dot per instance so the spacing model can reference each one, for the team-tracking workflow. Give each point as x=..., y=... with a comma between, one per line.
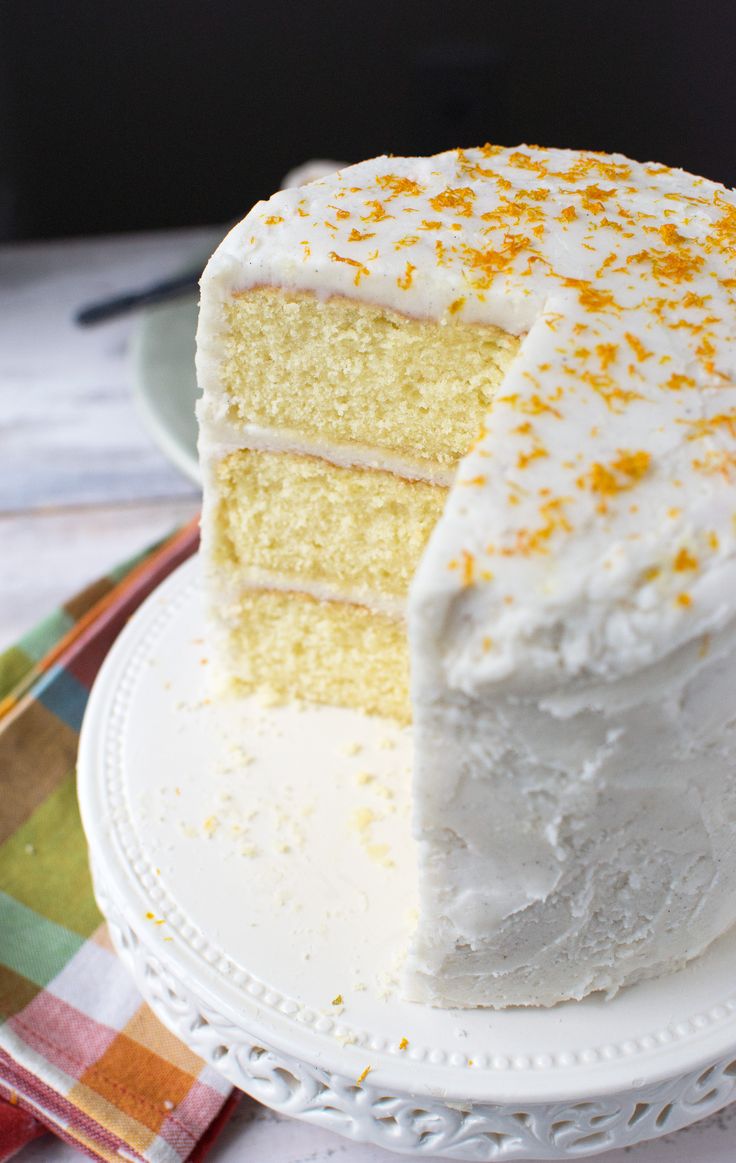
x=80, y=1053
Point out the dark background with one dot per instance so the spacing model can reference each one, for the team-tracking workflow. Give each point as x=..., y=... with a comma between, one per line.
x=132, y=114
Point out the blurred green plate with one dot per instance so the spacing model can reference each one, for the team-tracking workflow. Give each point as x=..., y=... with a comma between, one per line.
x=165, y=383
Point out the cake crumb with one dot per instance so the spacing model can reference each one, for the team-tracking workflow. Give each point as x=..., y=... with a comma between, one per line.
x=337, y=1000
x=268, y=697
x=362, y=818
x=403, y=1044
x=380, y=854
x=384, y=791
x=346, y=1039
x=353, y=748
x=240, y=756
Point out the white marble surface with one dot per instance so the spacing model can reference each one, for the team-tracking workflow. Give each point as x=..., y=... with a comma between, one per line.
x=81, y=487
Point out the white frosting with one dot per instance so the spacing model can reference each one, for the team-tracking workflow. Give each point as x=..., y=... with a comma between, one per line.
x=230, y=590
x=571, y=621
x=217, y=440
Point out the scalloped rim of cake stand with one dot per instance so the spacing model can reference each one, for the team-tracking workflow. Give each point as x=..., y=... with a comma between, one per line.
x=695, y=1038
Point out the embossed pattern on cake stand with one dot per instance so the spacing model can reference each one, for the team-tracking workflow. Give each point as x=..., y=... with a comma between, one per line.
x=256, y=871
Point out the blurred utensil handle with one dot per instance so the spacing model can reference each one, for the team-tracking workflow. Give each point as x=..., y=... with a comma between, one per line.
x=159, y=292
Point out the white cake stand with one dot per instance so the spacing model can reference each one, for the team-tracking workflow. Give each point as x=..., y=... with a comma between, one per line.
x=255, y=867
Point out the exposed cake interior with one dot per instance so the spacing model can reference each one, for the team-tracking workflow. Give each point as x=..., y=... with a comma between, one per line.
x=348, y=372
x=345, y=423
x=294, y=518
x=289, y=645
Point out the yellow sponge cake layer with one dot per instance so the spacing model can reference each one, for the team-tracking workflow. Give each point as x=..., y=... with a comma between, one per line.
x=294, y=646
x=350, y=372
x=302, y=519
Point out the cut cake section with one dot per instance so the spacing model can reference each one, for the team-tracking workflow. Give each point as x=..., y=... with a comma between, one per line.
x=330, y=434
x=295, y=519
x=288, y=645
x=350, y=373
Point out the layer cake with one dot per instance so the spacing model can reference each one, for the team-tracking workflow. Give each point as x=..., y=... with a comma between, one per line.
x=468, y=436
